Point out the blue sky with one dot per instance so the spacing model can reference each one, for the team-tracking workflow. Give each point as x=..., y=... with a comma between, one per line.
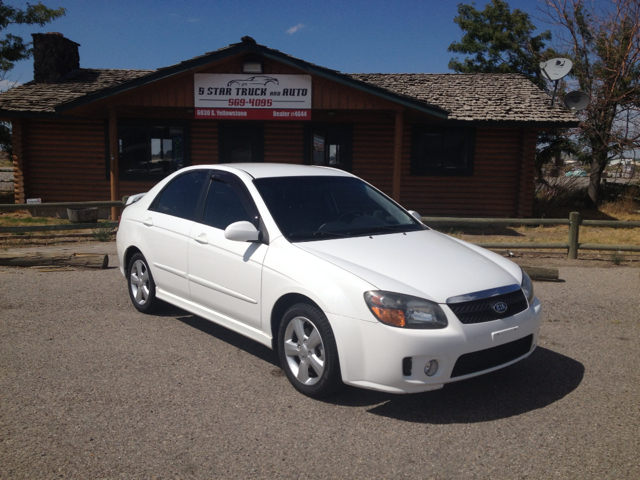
x=353, y=36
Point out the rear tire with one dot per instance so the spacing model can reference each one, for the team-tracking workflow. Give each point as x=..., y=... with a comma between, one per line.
x=308, y=352
x=142, y=288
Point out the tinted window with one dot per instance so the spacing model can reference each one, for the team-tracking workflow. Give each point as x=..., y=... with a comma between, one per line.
x=310, y=208
x=148, y=152
x=328, y=144
x=223, y=206
x=442, y=151
x=180, y=197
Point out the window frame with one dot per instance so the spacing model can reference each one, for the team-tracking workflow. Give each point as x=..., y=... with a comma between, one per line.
x=147, y=124
x=243, y=195
x=420, y=168
x=329, y=129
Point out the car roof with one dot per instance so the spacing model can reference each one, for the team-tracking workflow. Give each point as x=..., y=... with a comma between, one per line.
x=269, y=170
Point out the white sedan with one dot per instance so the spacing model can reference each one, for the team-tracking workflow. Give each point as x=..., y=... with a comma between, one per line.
x=319, y=265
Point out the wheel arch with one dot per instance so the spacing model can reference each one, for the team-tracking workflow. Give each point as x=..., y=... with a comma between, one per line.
x=129, y=252
x=279, y=309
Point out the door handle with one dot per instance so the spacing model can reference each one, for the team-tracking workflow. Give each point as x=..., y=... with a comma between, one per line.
x=202, y=238
x=148, y=222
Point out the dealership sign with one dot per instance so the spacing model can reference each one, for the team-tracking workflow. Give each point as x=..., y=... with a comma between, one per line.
x=252, y=97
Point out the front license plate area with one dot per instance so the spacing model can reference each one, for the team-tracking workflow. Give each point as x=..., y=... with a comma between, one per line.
x=506, y=335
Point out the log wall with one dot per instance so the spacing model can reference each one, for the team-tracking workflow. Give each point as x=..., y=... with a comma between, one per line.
x=501, y=186
x=65, y=161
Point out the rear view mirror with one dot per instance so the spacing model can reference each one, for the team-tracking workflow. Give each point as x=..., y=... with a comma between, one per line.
x=242, y=232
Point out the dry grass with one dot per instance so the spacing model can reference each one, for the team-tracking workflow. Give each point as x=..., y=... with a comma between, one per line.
x=625, y=209
x=24, y=218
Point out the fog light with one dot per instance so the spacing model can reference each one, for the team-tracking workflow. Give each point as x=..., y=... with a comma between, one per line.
x=431, y=368
x=407, y=364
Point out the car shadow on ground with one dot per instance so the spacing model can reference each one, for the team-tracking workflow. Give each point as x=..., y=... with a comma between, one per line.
x=224, y=334
x=540, y=380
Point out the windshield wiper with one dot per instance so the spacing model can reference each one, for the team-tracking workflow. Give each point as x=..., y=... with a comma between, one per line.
x=387, y=229
x=313, y=235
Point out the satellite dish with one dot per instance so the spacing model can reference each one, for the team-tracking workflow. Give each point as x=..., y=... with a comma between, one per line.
x=556, y=68
x=576, y=100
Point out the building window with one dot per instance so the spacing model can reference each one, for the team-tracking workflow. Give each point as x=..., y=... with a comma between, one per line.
x=328, y=144
x=241, y=143
x=445, y=151
x=151, y=150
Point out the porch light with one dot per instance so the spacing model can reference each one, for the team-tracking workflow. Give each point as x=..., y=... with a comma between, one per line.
x=251, y=67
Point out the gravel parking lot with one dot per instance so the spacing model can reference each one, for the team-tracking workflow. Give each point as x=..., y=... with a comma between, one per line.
x=90, y=388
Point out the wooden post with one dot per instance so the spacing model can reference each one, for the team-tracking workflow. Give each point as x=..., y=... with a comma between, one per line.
x=397, y=156
x=114, y=162
x=574, y=233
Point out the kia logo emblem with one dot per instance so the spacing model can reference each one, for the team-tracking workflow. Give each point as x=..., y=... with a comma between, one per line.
x=500, y=307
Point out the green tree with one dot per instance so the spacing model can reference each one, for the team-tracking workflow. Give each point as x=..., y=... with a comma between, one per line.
x=604, y=45
x=13, y=48
x=498, y=41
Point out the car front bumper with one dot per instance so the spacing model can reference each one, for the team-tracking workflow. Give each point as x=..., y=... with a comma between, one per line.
x=372, y=354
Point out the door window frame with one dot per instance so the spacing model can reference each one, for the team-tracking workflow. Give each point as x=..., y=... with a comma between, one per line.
x=331, y=131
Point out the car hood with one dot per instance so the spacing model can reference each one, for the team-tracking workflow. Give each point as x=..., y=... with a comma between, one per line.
x=427, y=264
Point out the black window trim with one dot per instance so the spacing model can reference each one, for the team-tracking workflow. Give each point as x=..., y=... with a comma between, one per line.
x=420, y=170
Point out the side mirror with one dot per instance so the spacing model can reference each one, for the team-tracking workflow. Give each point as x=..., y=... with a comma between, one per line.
x=242, y=232
x=415, y=214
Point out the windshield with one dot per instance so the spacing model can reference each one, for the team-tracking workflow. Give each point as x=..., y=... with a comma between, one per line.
x=316, y=208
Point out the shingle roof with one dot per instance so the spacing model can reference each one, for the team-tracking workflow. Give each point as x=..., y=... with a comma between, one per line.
x=35, y=97
x=467, y=97
x=475, y=97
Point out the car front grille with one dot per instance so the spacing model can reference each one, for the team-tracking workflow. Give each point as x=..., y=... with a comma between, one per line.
x=491, y=357
x=479, y=311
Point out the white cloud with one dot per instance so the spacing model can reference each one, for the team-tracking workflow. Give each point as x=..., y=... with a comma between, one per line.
x=294, y=29
x=193, y=20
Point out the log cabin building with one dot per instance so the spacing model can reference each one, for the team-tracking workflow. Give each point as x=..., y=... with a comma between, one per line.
x=441, y=144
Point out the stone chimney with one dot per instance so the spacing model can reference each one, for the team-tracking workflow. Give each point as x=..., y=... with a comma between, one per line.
x=53, y=56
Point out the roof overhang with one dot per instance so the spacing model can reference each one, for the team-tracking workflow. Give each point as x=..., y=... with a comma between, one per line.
x=248, y=47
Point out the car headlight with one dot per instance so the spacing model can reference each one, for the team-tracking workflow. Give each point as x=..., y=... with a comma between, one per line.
x=405, y=311
x=527, y=287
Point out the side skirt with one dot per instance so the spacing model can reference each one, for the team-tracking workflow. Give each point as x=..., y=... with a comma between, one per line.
x=215, y=317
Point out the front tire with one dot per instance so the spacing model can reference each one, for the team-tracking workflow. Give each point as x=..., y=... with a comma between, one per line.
x=308, y=352
x=142, y=288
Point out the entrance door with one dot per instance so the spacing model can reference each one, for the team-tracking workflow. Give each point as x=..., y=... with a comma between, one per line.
x=241, y=143
x=328, y=144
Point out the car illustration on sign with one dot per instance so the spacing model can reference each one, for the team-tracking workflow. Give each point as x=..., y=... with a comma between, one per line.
x=345, y=284
x=257, y=80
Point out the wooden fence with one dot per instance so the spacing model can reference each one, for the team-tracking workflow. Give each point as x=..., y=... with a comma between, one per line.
x=572, y=245
x=54, y=206
x=573, y=222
